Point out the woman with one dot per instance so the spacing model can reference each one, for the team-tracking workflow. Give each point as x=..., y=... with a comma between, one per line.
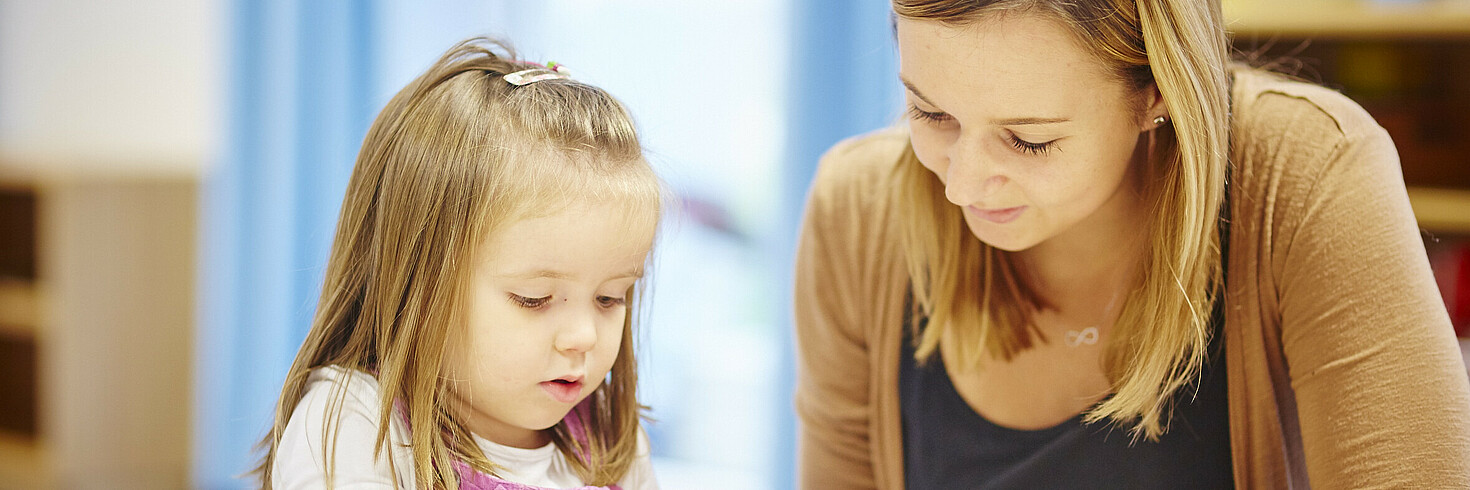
x=1099, y=255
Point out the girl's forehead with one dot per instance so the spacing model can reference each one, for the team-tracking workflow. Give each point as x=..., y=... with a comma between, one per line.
x=586, y=231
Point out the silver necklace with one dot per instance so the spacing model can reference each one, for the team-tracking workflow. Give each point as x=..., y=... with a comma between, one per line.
x=1089, y=335
x=1076, y=338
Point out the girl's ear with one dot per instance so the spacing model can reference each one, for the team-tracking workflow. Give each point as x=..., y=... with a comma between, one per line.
x=1154, y=113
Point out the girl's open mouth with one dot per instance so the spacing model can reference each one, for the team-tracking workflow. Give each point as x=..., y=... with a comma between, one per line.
x=564, y=390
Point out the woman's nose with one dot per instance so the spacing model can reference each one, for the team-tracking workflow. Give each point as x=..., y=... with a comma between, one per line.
x=972, y=177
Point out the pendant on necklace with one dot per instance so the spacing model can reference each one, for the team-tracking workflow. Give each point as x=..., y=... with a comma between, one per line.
x=1086, y=336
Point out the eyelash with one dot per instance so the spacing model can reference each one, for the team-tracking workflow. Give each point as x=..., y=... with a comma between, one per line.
x=1029, y=147
x=529, y=303
x=538, y=303
x=923, y=115
x=1024, y=146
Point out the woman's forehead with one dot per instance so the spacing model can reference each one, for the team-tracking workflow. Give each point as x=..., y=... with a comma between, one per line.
x=1014, y=53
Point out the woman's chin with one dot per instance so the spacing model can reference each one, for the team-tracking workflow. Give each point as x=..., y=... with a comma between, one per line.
x=1007, y=241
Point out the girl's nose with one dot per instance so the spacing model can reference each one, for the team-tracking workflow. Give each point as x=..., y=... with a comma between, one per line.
x=579, y=334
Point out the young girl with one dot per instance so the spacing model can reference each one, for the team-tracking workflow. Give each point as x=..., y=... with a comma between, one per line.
x=475, y=327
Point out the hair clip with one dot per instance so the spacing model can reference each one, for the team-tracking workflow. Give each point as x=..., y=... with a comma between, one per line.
x=551, y=71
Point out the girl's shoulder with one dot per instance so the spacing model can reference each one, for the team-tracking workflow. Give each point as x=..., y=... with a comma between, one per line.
x=349, y=392
x=363, y=386
x=337, y=420
x=547, y=467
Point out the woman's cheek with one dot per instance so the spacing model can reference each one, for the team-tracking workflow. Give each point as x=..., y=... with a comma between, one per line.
x=929, y=151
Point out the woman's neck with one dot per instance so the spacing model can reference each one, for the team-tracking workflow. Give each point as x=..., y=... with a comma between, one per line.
x=1094, y=264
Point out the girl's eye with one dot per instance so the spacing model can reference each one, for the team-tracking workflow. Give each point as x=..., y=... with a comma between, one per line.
x=610, y=302
x=529, y=303
x=1030, y=148
x=926, y=116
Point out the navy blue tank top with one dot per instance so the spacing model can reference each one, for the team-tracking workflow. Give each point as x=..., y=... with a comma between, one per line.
x=948, y=445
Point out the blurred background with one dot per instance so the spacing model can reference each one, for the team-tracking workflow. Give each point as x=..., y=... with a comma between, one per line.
x=171, y=170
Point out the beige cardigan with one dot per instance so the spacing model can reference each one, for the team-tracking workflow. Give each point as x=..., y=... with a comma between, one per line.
x=1343, y=368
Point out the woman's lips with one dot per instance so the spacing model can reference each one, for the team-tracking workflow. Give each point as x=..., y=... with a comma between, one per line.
x=563, y=390
x=998, y=216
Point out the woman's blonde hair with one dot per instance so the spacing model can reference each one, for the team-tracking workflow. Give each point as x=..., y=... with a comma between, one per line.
x=456, y=155
x=973, y=294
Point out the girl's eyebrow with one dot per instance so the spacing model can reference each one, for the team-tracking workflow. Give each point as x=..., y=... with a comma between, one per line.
x=538, y=274
x=552, y=274
x=630, y=273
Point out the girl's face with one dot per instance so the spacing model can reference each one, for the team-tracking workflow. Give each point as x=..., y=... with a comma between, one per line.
x=546, y=318
x=1027, y=131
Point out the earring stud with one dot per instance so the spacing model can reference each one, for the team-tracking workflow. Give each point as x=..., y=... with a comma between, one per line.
x=1160, y=120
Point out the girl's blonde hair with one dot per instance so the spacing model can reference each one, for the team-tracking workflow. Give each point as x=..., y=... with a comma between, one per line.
x=454, y=156
x=974, y=294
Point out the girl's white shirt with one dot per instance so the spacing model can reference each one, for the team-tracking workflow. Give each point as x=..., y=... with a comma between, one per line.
x=299, y=460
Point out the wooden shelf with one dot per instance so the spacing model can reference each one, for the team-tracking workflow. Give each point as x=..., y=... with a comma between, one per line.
x=23, y=463
x=19, y=308
x=1441, y=210
x=1348, y=18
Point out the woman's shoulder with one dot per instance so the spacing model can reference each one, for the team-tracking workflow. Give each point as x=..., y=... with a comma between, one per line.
x=1295, y=122
x=850, y=198
x=863, y=160
x=853, y=176
x=873, y=148
x=1299, y=142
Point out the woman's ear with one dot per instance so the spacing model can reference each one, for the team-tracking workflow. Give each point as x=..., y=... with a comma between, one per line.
x=1154, y=113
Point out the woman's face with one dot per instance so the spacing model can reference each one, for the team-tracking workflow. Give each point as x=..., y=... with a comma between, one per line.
x=1031, y=136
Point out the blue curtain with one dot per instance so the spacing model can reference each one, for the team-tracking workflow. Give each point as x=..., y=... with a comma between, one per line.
x=844, y=82
x=299, y=105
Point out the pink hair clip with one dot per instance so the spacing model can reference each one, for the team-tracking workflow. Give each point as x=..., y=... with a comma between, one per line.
x=551, y=71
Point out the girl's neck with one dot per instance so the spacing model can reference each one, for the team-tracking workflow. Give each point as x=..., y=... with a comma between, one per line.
x=491, y=429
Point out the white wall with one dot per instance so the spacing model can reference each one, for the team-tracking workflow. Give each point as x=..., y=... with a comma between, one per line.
x=109, y=87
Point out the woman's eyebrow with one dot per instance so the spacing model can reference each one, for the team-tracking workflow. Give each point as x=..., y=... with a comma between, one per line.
x=915, y=90
x=1025, y=121
x=1010, y=121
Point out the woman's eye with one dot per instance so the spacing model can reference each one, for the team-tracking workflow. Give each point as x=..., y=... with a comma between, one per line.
x=1030, y=148
x=529, y=303
x=610, y=301
x=933, y=117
